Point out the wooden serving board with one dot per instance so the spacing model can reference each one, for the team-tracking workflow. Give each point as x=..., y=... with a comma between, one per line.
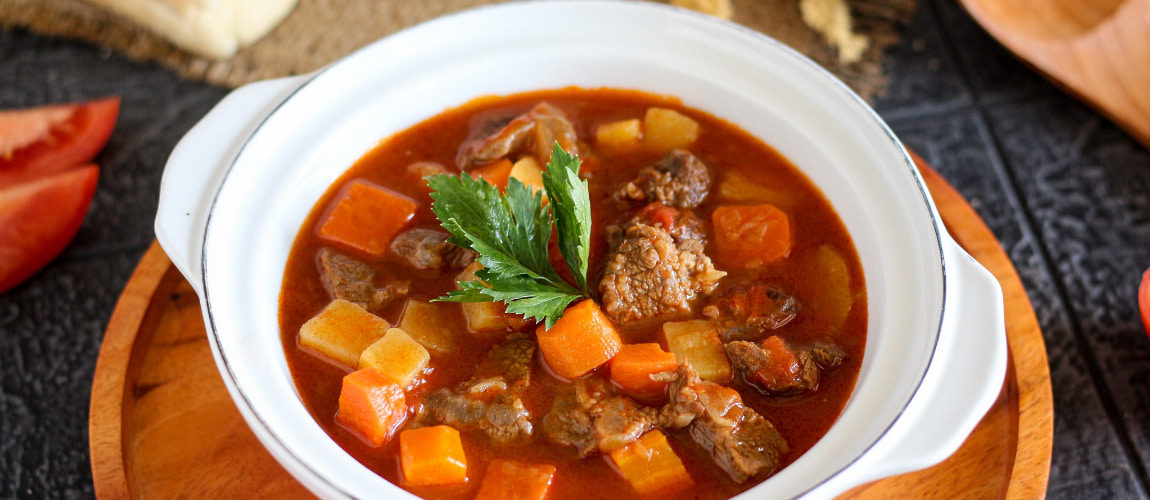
x=162, y=424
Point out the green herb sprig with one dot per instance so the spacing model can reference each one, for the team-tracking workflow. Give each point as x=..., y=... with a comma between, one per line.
x=511, y=231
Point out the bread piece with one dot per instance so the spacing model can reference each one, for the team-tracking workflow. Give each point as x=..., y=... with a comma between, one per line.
x=210, y=28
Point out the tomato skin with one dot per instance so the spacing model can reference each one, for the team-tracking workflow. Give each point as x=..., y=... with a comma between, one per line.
x=1144, y=300
x=73, y=143
x=39, y=218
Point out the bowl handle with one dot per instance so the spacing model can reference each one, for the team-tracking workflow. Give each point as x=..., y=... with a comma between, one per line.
x=199, y=163
x=963, y=381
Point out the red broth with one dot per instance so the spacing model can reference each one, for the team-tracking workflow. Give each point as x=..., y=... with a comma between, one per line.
x=744, y=171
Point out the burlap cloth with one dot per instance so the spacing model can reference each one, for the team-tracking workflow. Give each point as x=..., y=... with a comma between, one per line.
x=318, y=32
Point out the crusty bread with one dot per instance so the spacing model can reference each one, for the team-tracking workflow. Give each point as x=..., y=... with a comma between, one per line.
x=210, y=28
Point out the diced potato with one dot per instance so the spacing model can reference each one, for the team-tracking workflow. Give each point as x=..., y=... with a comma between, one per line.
x=528, y=171
x=397, y=356
x=487, y=318
x=341, y=331
x=697, y=341
x=831, y=301
x=619, y=135
x=737, y=186
x=667, y=129
x=430, y=325
x=651, y=465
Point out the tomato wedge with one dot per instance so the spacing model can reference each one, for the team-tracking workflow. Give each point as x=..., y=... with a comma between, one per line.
x=1144, y=300
x=40, y=141
x=39, y=218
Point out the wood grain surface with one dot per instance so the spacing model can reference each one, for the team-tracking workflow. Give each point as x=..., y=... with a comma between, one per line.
x=162, y=424
x=1098, y=50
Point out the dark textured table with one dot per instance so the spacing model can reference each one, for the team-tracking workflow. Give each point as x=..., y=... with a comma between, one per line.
x=1061, y=187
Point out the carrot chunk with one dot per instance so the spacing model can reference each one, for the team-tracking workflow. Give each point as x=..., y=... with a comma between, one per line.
x=650, y=465
x=510, y=480
x=432, y=455
x=366, y=217
x=633, y=365
x=495, y=173
x=751, y=236
x=372, y=405
x=581, y=340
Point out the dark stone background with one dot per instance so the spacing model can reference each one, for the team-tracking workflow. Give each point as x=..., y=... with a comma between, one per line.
x=1062, y=188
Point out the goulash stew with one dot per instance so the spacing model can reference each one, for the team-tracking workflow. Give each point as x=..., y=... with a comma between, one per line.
x=574, y=294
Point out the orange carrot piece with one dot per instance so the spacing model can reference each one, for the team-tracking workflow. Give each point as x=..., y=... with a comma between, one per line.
x=366, y=217
x=581, y=340
x=372, y=405
x=751, y=236
x=432, y=455
x=633, y=365
x=510, y=480
x=650, y=465
x=496, y=173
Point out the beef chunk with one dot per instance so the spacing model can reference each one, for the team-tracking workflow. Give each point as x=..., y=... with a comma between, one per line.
x=653, y=270
x=593, y=419
x=778, y=368
x=534, y=132
x=679, y=180
x=513, y=359
x=748, y=312
x=742, y=442
x=424, y=248
x=346, y=278
x=484, y=405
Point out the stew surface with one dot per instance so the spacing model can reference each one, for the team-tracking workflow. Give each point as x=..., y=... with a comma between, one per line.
x=687, y=253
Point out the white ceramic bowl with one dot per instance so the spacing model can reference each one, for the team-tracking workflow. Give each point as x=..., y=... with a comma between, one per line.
x=239, y=185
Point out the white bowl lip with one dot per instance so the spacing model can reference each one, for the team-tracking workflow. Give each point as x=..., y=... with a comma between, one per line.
x=300, y=465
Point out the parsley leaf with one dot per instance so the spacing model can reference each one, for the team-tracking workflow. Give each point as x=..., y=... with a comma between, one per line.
x=510, y=231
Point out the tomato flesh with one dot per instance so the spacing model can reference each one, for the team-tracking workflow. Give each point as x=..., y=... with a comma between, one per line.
x=39, y=218
x=1144, y=300
x=54, y=138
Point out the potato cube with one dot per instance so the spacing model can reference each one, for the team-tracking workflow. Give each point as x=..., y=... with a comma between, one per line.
x=429, y=323
x=341, y=331
x=619, y=135
x=667, y=129
x=397, y=356
x=697, y=341
x=528, y=171
x=485, y=318
x=737, y=186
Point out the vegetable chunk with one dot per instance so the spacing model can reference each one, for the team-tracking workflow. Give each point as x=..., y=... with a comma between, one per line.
x=397, y=356
x=697, y=342
x=623, y=134
x=366, y=217
x=341, y=331
x=666, y=129
x=634, y=364
x=650, y=465
x=432, y=455
x=581, y=340
x=371, y=405
x=751, y=236
x=510, y=480
x=430, y=325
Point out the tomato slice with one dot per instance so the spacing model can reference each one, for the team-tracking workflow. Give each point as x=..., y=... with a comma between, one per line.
x=39, y=218
x=1144, y=300
x=48, y=139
